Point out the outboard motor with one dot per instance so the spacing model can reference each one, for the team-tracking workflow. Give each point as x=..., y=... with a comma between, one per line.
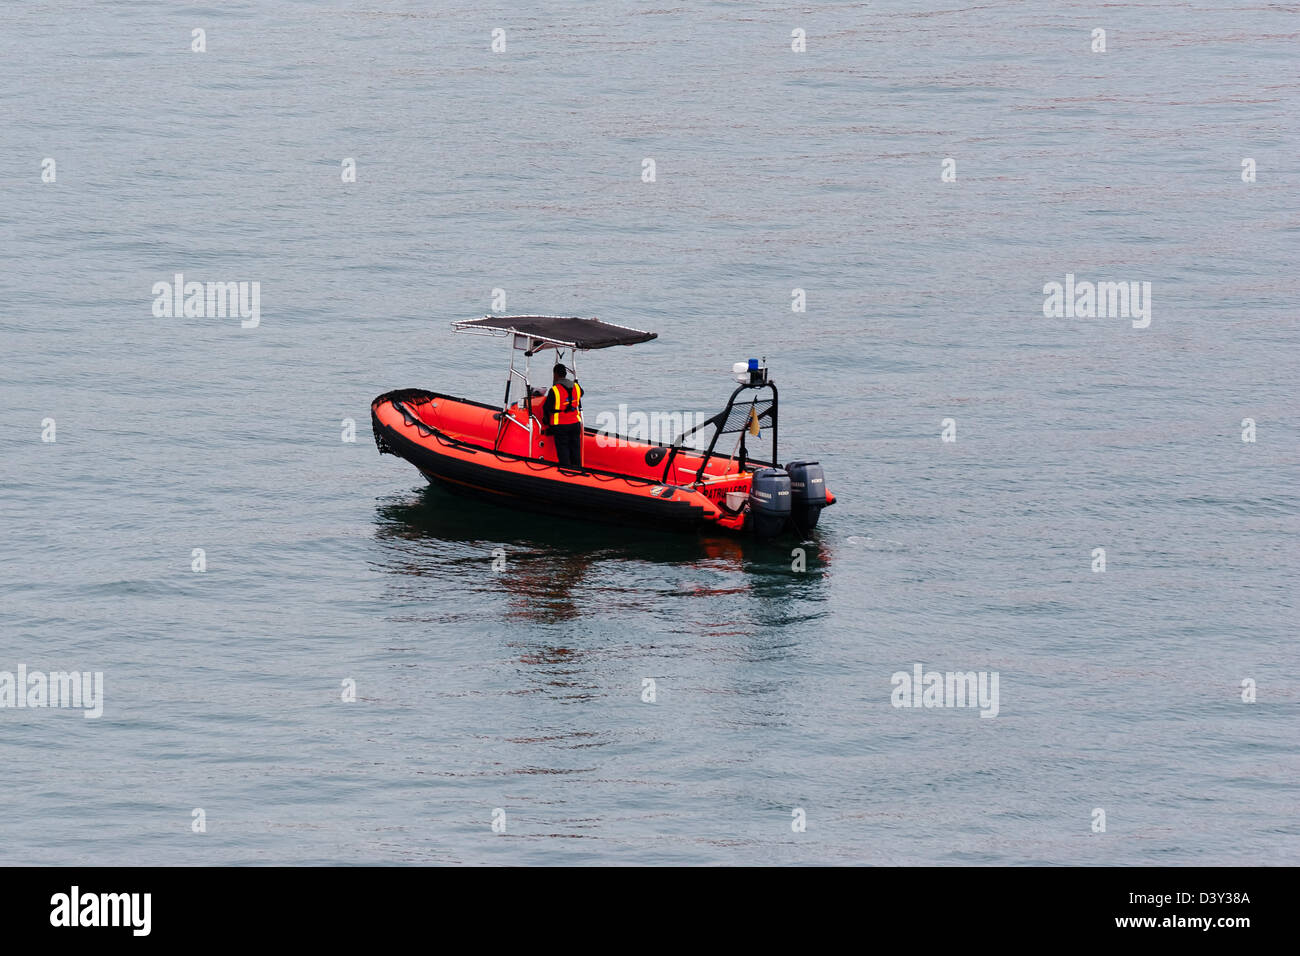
x=807, y=494
x=769, y=501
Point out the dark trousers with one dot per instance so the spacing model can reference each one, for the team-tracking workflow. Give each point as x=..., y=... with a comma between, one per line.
x=568, y=444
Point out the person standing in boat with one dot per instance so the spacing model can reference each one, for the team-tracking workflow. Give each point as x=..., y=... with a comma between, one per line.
x=562, y=415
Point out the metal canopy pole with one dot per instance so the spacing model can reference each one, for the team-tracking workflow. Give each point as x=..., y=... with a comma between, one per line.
x=528, y=393
x=582, y=427
x=510, y=373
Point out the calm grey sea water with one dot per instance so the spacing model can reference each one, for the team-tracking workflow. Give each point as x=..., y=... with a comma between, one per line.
x=775, y=170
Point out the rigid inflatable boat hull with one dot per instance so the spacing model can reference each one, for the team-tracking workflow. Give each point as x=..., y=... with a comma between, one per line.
x=544, y=495
x=477, y=450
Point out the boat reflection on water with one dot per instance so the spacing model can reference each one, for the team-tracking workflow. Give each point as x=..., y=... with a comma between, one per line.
x=574, y=603
x=559, y=571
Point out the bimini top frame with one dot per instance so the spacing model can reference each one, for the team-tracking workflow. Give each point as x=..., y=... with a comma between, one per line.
x=531, y=334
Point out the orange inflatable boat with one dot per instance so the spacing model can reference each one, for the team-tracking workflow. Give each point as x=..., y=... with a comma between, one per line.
x=504, y=454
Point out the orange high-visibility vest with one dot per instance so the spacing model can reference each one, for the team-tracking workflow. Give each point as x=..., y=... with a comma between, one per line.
x=568, y=405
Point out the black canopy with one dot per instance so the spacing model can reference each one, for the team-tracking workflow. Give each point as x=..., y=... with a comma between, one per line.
x=557, y=330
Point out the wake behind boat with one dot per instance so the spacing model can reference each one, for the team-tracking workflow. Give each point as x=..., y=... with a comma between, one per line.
x=505, y=454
